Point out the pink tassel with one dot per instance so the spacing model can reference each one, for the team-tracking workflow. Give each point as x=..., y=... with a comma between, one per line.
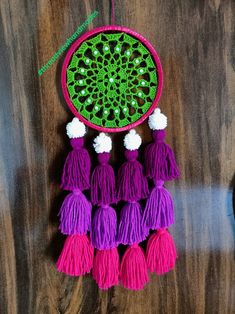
x=160, y=161
x=76, y=258
x=133, y=272
x=106, y=268
x=103, y=182
x=76, y=172
x=161, y=252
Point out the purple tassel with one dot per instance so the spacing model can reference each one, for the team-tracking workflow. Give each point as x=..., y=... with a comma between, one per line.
x=103, y=182
x=132, y=185
x=104, y=228
x=131, y=229
x=160, y=162
x=76, y=172
x=75, y=214
x=159, y=210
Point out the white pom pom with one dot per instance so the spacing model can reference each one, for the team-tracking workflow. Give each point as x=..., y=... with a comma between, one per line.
x=132, y=140
x=157, y=120
x=75, y=128
x=102, y=143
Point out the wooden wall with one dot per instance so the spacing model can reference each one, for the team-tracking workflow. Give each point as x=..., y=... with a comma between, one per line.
x=196, y=43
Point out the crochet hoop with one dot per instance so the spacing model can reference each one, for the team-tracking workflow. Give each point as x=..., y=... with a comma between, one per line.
x=112, y=78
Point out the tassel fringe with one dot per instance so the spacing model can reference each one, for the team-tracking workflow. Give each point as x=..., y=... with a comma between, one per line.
x=133, y=272
x=76, y=258
x=161, y=252
x=106, y=268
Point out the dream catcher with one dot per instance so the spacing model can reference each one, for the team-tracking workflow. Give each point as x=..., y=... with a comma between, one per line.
x=112, y=81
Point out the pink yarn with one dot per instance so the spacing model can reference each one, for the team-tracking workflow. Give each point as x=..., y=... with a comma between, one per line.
x=106, y=268
x=133, y=271
x=161, y=252
x=76, y=258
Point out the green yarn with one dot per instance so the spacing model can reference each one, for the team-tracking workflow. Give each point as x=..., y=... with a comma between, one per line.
x=112, y=79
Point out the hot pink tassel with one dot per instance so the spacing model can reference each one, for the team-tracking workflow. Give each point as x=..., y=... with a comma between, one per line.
x=133, y=271
x=161, y=252
x=76, y=258
x=106, y=268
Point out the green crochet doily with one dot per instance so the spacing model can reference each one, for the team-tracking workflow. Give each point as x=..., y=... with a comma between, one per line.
x=112, y=79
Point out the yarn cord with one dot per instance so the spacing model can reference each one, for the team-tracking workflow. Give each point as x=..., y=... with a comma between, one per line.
x=113, y=12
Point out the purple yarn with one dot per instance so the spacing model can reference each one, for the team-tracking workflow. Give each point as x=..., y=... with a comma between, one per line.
x=159, y=209
x=132, y=185
x=103, y=182
x=131, y=229
x=76, y=172
x=104, y=228
x=75, y=214
x=160, y=161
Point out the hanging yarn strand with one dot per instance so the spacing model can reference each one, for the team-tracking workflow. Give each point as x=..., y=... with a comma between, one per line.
x=103, y=178
x=76, y=257
x=76, y=172
x=104, y=222
x=132, y=186
x=160, y=165
x=113, y=12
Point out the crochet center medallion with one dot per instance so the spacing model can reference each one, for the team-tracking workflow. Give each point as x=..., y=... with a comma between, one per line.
x=112, y=78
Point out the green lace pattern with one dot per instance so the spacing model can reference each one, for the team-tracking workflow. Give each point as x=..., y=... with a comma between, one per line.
x=112, y=79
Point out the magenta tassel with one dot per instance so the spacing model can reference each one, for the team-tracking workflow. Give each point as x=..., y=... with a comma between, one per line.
x=75, y=214
x=104, y=228
x=160, y=162
x=132, y=185
x=76, y=172
x=131, y=229
x=161, y=252
x=76, y=258
x=159, y=209
x=133, y=271
x=106, y=268
x=103, y=182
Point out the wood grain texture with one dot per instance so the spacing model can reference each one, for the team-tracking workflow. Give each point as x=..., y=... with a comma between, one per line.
x=196, y=44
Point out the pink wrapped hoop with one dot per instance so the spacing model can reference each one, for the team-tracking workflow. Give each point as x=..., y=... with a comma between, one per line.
x=90, y=34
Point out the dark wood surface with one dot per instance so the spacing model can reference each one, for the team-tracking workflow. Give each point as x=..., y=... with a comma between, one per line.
x=196, y=43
